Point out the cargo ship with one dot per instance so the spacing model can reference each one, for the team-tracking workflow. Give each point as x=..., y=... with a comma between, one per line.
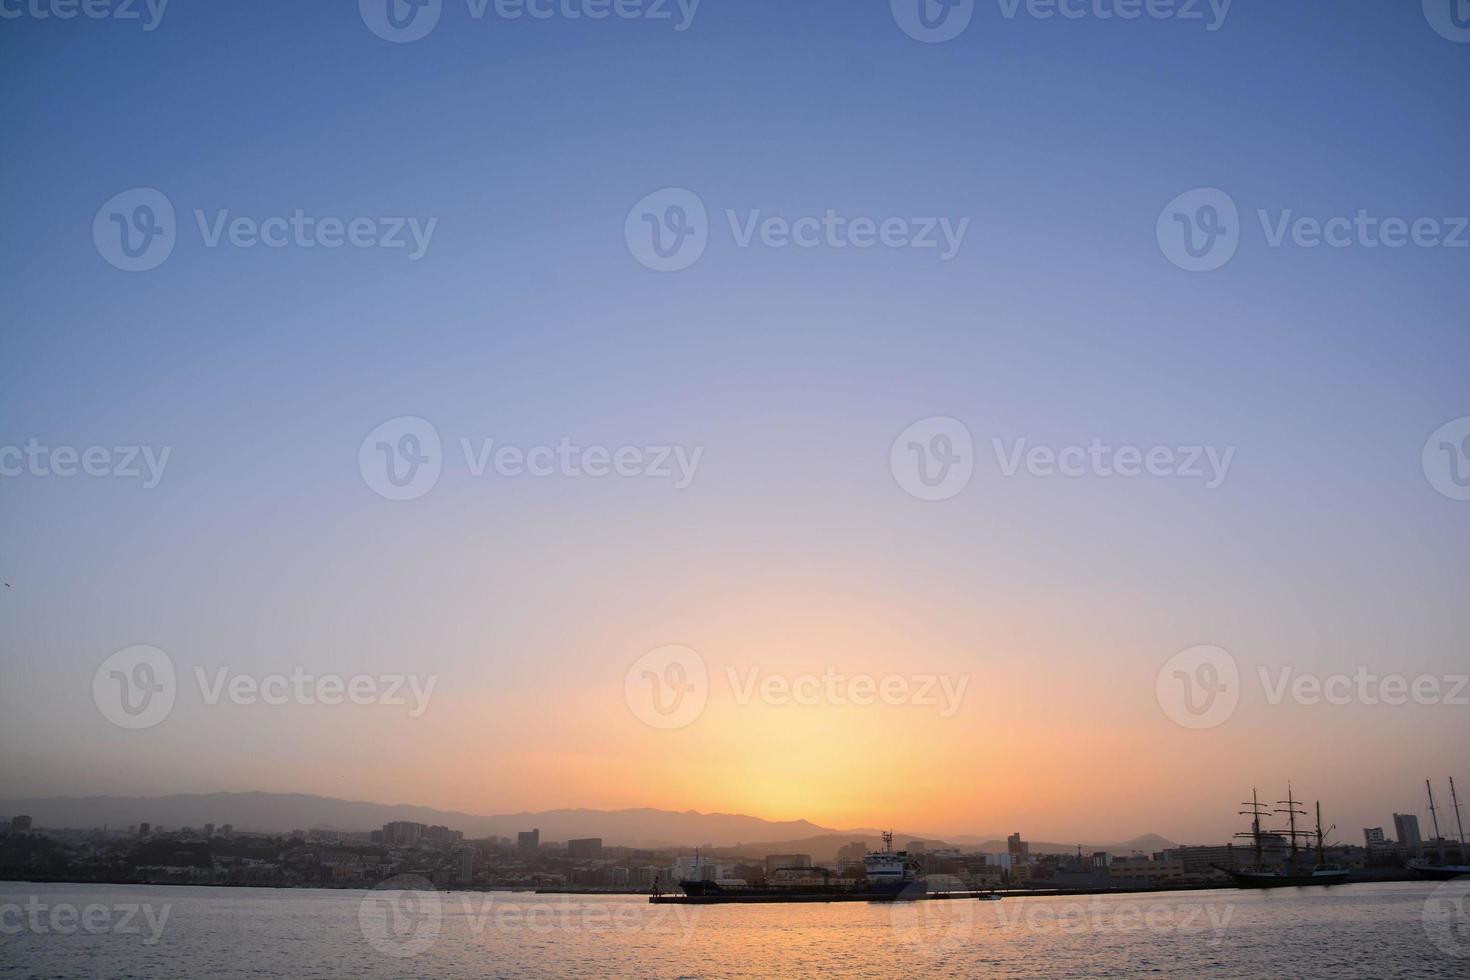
x=890, y=876
x=1290, y=874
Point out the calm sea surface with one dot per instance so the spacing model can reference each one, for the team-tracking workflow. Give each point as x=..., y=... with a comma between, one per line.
x=1379, y=931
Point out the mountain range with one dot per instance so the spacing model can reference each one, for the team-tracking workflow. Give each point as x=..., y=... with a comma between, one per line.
x=643, y=827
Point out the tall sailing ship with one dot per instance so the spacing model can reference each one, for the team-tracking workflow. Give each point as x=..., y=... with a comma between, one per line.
x=1291, y=873
x=1443, y=870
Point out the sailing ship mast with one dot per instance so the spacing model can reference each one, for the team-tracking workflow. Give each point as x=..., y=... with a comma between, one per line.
x=1291, y=814
x=1434, y=816
x=1256, y=811
x=1459, y=827
x=1321, y=842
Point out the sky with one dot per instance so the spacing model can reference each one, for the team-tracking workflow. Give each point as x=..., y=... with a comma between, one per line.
x=515, y=186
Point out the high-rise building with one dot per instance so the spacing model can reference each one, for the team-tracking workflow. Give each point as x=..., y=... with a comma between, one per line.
x=209, y=830
x=529, y=842
x=1406, y=828
x=467, y=864
x=20, y=825
x=586, y=849
x=1373, y=837
x=404, y=833
x=144, y=829
x=227, y=829
x=1016, y=847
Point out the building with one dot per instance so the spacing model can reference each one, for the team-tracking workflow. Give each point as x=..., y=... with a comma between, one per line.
x=585, y=849
x=777, y=862
x=649, y=875
x=404, y=833
x=144, y=829
x=467, y=864
x=209, y=830
x=1406, y=829
x=528, y=842
x=1199, y=861
x=227, y=829
x=1373, y=837
x=20, y=825
x=851, y=855
x=1016, y=847
x=1142, y=870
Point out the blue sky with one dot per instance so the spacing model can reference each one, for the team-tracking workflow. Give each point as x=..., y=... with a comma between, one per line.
x=527, y=319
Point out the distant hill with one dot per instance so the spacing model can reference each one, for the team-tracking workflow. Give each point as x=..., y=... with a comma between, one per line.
x=283, y=812
x=731, y=833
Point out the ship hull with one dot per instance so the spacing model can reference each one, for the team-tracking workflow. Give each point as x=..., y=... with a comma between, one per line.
x=709, y=891
x=1269, y=879
x=1445, y=872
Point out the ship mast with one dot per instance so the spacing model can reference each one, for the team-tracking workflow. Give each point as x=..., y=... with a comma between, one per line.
x=1458, y=826
x=1321, y=856
x=1256, y=811
x=1434, y=816
x=1291, y=814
